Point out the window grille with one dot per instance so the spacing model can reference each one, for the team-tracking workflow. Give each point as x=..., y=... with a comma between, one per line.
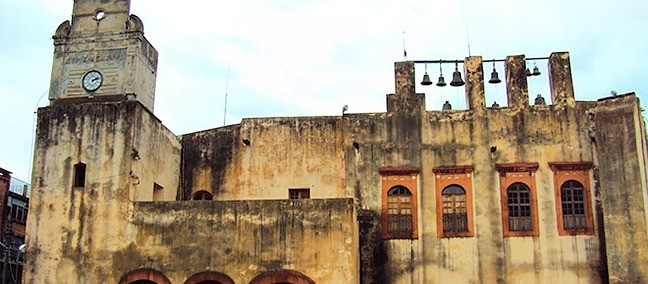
x=519, y=207
x=399, y=210
x=573, y=205
x=299, y=193
x=455, y=214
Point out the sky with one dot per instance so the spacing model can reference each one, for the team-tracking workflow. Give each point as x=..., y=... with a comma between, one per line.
x=312, y=57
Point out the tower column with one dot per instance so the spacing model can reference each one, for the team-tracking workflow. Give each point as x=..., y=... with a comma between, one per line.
x=517, y=90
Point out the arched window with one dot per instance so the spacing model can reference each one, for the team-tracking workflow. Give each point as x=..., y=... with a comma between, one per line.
x=144, y=276
x=209, y=277
x=572, y=195
x=283, y=276
x=455, y=214
x=573, y=198
x=399, y=210
x=202, y=195
x=519, y=207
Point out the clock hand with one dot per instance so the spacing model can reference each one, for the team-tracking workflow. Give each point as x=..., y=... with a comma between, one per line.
x=95, y=79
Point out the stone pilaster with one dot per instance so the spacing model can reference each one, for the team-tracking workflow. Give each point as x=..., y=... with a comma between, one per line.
x=517, y=90
x=560, y=79
x=474, y=70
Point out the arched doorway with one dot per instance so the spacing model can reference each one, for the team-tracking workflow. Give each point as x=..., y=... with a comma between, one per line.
x=283, y=276
x=144, y=276
x=209, y=277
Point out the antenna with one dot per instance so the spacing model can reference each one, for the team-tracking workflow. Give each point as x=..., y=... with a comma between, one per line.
x=404, y=49
x=226, y=90
x=467, y=36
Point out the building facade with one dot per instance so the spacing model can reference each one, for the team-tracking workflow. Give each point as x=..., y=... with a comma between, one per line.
x=520, y=193
x=14, y=195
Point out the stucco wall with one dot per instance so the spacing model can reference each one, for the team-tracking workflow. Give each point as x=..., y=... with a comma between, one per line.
x=70, y=228
x=519, y=133
x=262, y=158
x=621, y=148
x=317, y=237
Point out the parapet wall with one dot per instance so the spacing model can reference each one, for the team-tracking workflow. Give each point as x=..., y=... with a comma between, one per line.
x=262, y=158
x=243, y=239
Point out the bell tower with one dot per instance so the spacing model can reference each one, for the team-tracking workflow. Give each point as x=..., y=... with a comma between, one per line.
x=102, y=55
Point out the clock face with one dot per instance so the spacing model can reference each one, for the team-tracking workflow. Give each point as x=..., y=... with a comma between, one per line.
x=92, y=80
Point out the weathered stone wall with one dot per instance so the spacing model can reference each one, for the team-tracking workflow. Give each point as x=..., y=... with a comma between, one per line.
x=621, y=150
x=264, y=157
x=539, y=134
x=71, y=229
x=317, y=237
x=406, y=136
x=519, y=133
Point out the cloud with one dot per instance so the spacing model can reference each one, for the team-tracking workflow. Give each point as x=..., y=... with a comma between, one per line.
x=296, y=58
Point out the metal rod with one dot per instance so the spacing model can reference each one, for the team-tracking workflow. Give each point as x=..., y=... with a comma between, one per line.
x=437, y=61
x=486, y=60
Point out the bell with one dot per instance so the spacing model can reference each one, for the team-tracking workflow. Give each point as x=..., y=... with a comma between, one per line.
x=426, y=80
x=528, y=72
x=446, y=106
x=495, y=105
x=456, y=79
x=539, y=100
x=536, y=71
x=494, y=77
x=441, y=82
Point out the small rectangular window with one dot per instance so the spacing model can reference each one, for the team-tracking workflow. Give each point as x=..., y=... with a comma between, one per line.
x=299, y=193
x=157, y=192
x=79, y=175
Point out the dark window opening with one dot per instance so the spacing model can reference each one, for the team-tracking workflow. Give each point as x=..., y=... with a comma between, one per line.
x=455, y=213
x=202, y=195
x=399, y=210
x=79, y=175
x=144, y=282
x=17, y=213
x=519, y=207
x=573, y=205
x=299, y=193
x=158, y=192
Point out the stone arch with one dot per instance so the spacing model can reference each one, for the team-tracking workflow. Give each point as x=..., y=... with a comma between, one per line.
x=144, y=275
x=282, y=276
x=210, y=277
x=202, y=195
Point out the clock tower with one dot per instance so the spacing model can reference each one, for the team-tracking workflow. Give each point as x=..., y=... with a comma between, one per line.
x=102, y=55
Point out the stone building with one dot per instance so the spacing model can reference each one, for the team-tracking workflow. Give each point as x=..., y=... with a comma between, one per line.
x=520, y=193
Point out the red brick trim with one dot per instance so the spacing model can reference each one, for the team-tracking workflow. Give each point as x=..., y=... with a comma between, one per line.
x=407, y=177
x=461, y=176
x=578, y=171
x=397, y=171
x=511, y=173
x=570, y=166
x=453, y=170
x=516, y=168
